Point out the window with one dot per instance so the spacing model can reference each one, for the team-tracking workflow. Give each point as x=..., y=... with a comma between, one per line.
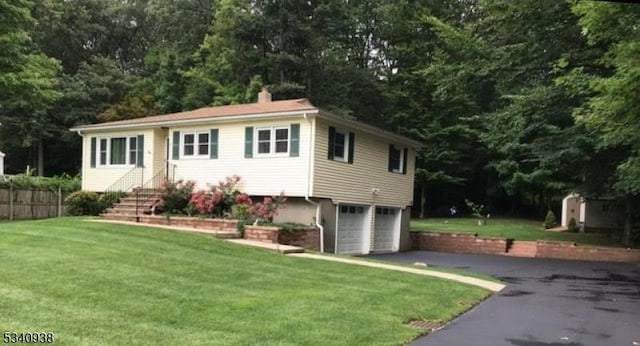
x=188, y=145
x=195, y=144
x=282, y=140
x=385, y=211
x=397, y=159
x=351, y=209
x=119, y=151
x=264, y=141
x=341, y=145
x=272, y=140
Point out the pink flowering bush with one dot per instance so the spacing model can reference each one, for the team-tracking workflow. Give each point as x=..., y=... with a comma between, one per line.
x=217, y=200
x=205, y=202
x=267, y=209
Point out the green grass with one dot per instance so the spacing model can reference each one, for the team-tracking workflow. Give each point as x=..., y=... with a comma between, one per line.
x=95, y=283
x=519, y=229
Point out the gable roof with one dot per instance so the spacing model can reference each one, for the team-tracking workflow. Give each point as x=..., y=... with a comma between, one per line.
x=207, y=113
x=238, y=112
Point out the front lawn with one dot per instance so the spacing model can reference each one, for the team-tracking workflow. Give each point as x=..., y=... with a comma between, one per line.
x=519, y=229
x=96, y=283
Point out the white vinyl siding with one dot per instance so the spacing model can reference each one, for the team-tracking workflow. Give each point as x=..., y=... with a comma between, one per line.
x=368, y=179
x=104, y=174
x=262, y=174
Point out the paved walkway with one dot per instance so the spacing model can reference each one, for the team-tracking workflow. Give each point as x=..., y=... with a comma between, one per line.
x=490, y=285
x=284, y=249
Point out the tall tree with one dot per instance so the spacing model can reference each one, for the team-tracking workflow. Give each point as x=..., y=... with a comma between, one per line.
x=27, y=84
x=613, y=111
x=528, y=130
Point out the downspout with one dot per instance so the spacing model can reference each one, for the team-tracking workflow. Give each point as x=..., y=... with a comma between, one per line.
x=309, y=177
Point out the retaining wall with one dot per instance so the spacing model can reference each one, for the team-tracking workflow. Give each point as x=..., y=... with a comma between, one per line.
x=471, y=243
x=308, y=237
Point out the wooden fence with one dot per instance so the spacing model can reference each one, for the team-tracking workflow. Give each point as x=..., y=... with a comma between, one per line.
x=30, y=204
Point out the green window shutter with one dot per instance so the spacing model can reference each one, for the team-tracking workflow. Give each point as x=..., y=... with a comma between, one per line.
x=93, y=152
x=176, y=145
x=405, y=155
x=332, y=139
x=294, y=138
x=248, y=142
x=213, y=144
x=352, y=141
x=140, y=151
x=390, y=168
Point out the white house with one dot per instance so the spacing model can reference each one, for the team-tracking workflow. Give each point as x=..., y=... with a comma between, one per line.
x=353, y=180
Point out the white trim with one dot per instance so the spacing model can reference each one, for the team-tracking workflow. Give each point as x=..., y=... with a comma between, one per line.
x=196, y=144
x=127, y=158
x=272, y=141
x=400, y=162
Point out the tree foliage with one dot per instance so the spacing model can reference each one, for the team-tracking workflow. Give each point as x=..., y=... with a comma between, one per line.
x=516, y=102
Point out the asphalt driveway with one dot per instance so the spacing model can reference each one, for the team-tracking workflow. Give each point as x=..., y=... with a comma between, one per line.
x=546, y=302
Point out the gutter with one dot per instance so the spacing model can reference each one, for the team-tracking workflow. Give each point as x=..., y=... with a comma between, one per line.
x=309, y=178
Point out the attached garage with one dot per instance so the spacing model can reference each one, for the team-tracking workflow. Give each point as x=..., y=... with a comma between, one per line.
x=386, y=233
x=353, y=229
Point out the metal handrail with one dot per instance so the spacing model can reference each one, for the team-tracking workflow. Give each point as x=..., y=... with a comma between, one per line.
x=156, y=180
x=127, y=181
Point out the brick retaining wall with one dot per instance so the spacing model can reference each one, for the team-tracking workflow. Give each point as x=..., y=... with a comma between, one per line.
x=569, y=250
x=458, y=242
x=222, y=225
x=471, y=243
x=308, y=238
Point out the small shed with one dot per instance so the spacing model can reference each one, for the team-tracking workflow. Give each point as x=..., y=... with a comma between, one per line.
x=596, y=214
x=1, y=163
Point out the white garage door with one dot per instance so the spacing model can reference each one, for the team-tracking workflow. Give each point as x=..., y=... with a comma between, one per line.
x=352, y=223
x=386, y=234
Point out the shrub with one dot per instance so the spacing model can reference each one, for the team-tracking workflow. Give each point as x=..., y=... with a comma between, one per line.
x=478, y=211
x=573, y=225
x=266, y=210
x=205, y=201
x=65, y=182
x=228, y=194
x=550, y=220
x=108, y=199
x=241, y=208
x=219, y=200
x=175, y=196
x=83, y=203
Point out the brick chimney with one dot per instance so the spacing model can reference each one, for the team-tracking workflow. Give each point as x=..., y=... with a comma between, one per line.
x=264, y=96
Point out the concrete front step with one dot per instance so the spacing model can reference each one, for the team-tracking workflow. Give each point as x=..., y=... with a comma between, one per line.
x=128, y=210
x=132, y=204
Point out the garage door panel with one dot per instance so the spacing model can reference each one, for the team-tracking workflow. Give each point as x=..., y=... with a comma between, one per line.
x=351, y=225
x=386, y=231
